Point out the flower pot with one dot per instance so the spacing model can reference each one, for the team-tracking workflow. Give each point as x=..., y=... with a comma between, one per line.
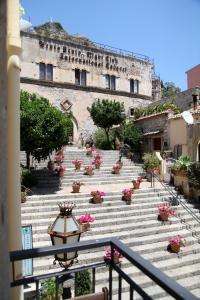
x=116, y=171
x=175, y=247
x=77, y=167
x=89, y=173
x=97, y=166
x=116, y=259
x=76, y=188
x=164, y=216
x=136, y=185
x=97, y=199
x=85, y=226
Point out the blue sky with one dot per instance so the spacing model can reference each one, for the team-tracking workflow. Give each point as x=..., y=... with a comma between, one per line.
x=167, y=31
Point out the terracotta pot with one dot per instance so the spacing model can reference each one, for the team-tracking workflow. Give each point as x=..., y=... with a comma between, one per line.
x=85, y=226
x=116, y=259
x=175, y=247
x=164, y=216
x=97, y=166
x=116, y=171
x=89, y=173
x=97, y=199
x=181, y=173
x=76, y=188
x=136, y=185
x=77, y=167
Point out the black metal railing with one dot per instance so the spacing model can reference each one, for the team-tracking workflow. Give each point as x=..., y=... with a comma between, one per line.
x=176, y=199
x=160, y=279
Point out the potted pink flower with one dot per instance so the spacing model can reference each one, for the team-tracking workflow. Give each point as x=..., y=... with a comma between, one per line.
x=89, y=170
x=97, y=156
x=97, y=196
x=76, y=186
x=165, y=211
x=127, y=193
x=136, y=182
x=77, y=163
x=116, y=169
x=176, y=242
x=97, y=163
x=60, y=171
x=117, y=257
x=85, y=221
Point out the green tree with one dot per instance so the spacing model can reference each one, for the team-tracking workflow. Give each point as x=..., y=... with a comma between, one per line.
x=132, y=136
x=169, y=90
x=105, y=114
x=43, y=127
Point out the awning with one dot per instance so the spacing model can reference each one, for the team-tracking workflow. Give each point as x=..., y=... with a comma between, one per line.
x=152, y=132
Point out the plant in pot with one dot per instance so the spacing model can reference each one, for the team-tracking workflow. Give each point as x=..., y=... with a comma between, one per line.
x=76, y=186
x=176, y=242
x=48, y=290
x=51, y=165
x=165, y=211
x=97, y=197
x=116, y=169
x=181, y=165
x=85, y=221
x=151, y=163
x=60, y=171
x=90, y=151
x=97, y=163
x=117, y=257
x=136, y=182
x=126, y=195
x=77, y=163
x=89, y=170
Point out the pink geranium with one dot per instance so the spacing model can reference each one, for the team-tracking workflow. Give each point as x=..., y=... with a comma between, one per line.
x=97, y=193
x=87, y=218
x=77, y=162
x=139, y=179
x=116, y=253
x=177, y=240
x=97, y=156
x=165, y=208
x=127, y=192
x=89, y=168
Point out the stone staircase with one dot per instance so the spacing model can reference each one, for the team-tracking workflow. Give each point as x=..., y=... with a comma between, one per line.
x=136, y=225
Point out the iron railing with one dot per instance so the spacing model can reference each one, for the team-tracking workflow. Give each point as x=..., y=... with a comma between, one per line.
x=162, y=280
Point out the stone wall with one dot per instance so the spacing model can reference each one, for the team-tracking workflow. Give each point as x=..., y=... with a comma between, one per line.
x=77, y=101
x=97, y=62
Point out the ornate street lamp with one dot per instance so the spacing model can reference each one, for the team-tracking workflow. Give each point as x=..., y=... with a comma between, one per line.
x=65, y=230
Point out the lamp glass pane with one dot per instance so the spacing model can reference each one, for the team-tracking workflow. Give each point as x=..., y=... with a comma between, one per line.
x=59, y=226
x=71, y=240
x=59, y=241
x=71, y=225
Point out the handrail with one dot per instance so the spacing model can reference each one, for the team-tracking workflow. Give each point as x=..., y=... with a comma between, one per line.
x=178, y=201
x=168, y=284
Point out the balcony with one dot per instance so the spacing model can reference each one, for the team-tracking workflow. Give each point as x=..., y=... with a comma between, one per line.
x=123, y=283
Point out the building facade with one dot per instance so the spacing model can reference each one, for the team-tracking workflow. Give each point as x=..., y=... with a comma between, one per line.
x=193, y=77
x=72, y=72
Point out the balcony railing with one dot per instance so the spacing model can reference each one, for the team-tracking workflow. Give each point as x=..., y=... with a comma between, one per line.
x=167, y=284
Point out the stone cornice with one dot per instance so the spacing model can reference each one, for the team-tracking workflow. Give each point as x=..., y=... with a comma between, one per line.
x=65, y=85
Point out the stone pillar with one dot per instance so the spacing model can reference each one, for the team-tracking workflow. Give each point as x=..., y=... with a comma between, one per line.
x=13, y=135
x=4, y=253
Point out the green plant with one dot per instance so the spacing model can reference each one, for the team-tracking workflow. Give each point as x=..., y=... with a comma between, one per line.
x=48, y=290
x=106, y=113
x=100, y=140
x=132, y=136
x=150, y=161
x=154, y=109
x=43, y=128
x=83, y=283
x=27, y=178
x=181, y=164
x=194, y=175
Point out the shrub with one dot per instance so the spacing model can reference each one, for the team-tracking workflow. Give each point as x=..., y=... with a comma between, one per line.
x=101, y=141
x=27, y=178
x=48, y=289
x=150, y=161
x=133, y=136
x=181, y=164
x=194, y=174
x=83, y=283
